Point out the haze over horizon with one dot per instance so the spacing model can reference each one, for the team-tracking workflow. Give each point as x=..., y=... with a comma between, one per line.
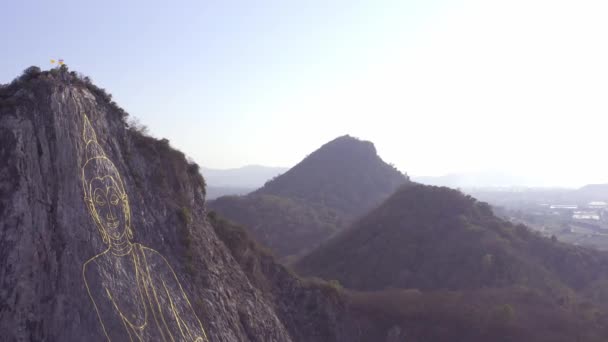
x=439, y=86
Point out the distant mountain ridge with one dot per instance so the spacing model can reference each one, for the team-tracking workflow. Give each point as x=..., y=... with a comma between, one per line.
x=516, y=197
x=498, y=179
x=214, y=192
x=249, y=176
x=476, y=180
x=593, y=192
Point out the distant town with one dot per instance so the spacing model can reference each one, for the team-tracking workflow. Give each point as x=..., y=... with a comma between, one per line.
x=577, y=216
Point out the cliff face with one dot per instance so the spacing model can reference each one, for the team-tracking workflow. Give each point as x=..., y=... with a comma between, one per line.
x=130, y=206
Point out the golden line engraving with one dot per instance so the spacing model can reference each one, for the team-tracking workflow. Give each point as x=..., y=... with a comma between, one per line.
x=135, y=292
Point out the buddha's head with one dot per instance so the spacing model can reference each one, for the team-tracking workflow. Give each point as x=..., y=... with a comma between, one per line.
x=104, y=192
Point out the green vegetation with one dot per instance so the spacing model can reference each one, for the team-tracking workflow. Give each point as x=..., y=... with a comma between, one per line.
x=345, y=175
x=40, y=82
x=437, y=239
x=185, y=238
x=507, y=314
x=314, y=309
x=185, y=215
x=287, y=225
x=248, y=253
x=168, y=161
x=295, y=212
x=477, y=276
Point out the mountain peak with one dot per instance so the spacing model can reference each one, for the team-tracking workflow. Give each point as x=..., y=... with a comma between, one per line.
x=350, y=145
x=297, y=210
x=345, y=174
x=35, y=83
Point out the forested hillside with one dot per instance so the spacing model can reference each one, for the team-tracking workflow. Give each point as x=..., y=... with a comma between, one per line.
x=430, y=237
x=331, y=312
x=294, y=212
x=346, y=175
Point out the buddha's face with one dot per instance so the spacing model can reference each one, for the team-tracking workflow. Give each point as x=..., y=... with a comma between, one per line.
x=108, y=207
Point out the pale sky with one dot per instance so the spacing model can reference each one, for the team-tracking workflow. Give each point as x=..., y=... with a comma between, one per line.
x=438, y=86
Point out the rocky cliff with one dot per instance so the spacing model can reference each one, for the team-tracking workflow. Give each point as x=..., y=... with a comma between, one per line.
x=176, y=276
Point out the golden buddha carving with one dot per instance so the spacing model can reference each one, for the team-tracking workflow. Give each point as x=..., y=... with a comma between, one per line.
x=135, y=292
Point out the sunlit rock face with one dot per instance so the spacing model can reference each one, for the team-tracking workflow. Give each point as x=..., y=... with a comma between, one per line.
x=135, y=216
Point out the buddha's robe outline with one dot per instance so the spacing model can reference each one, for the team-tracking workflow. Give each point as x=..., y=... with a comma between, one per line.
x=168, y=314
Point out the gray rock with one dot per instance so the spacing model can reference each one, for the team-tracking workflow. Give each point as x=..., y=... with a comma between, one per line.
x=47, y=232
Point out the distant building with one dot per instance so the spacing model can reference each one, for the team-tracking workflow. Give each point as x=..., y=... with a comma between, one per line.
x=564, y=206
x=586, y=215
x=597, y=205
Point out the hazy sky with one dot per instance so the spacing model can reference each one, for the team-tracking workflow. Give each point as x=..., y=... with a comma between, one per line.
x=439, y=86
